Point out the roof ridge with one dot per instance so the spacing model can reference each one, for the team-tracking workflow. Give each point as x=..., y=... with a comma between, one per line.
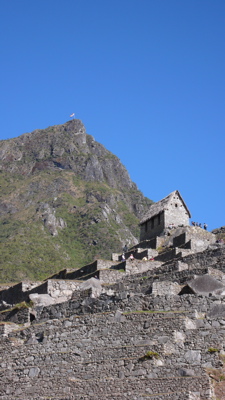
x=160, y=206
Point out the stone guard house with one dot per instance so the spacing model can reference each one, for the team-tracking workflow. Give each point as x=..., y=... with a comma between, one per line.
x=171, y=210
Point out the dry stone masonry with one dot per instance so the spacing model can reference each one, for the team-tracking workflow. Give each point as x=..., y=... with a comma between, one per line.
x=115, y=330
x=166, y=214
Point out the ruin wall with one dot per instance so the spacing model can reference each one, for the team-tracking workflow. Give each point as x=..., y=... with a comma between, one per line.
x=82, y=357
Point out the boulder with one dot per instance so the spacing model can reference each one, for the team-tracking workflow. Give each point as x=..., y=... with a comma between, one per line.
x=204, y=285
x=41, y=299
x=93, y=284
x=217, y=311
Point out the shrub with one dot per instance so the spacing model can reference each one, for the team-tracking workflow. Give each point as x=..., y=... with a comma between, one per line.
x=149, y=356
x=212, y=350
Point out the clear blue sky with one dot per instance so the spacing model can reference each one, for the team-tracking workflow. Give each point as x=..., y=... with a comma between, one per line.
x=146, y=77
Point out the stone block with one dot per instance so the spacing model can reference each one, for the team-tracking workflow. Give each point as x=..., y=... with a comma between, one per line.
x=189, y=324
x=204, y=285
x=139, y=372
x=186, y=372
x=34, y=372
x=181, y=266
x=217, y=310
x=41, y=299
x=193, y=357
x=93, y=284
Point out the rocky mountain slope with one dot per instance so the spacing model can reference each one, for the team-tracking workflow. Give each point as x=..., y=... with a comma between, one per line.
x=64, y=201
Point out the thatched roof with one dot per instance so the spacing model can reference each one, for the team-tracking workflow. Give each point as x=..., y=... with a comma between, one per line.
x=161, y=205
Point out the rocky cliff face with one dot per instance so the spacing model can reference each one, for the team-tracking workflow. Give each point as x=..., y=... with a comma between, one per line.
x=64, y=147
x=64, y=200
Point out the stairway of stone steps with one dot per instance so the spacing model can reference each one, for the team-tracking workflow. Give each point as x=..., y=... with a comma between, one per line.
x=106, y=354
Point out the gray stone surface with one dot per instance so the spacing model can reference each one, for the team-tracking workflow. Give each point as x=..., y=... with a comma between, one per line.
x=86, y=359
x=34, y=372
x=124, y=344
x=217, y=310
x=205, y=285
x=168, y=212
x=41, y=299
x=93, y=284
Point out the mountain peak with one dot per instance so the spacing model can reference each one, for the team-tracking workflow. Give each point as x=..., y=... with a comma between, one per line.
x=65, y=199
x=66, y=147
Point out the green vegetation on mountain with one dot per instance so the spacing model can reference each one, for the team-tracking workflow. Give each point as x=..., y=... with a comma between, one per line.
x=64, y=201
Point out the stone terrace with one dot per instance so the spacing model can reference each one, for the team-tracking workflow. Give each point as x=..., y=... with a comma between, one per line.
x=103, y=356
x=135, y=343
